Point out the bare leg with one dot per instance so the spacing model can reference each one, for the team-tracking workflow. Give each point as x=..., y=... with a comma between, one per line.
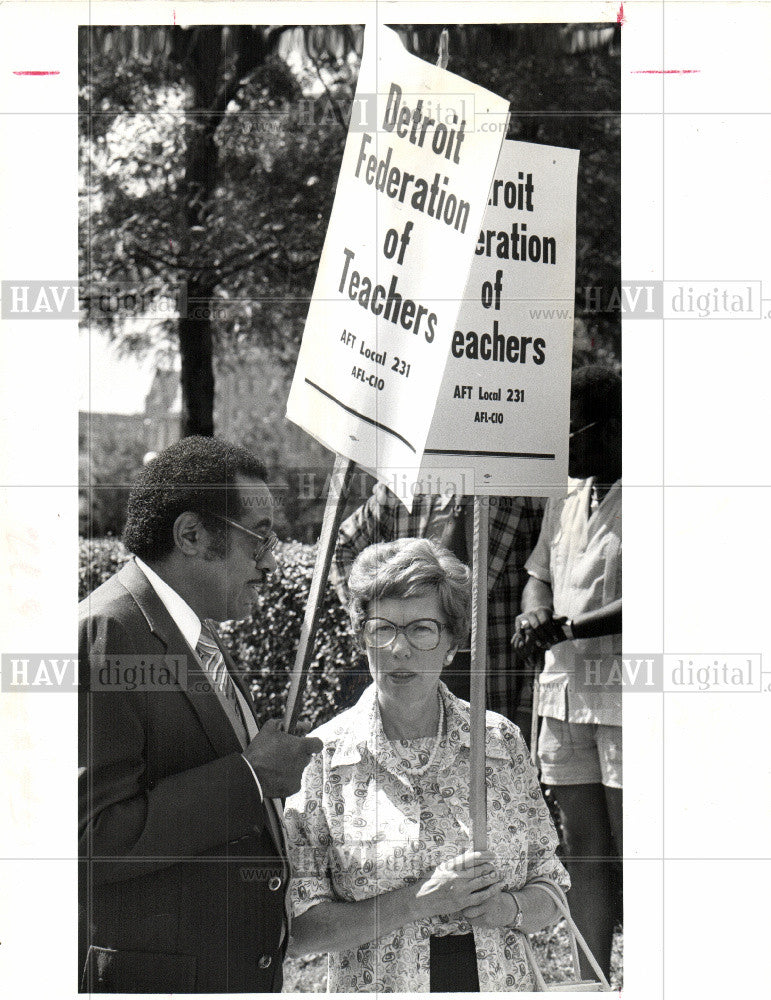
x=614, y=798
x=588, y=849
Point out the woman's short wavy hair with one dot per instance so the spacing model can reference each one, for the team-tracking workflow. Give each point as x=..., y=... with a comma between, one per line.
x=411, y=567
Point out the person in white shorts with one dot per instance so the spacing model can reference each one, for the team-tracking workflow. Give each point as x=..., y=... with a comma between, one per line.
x=571, y=607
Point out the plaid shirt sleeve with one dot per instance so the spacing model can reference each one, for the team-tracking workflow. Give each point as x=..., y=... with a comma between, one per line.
x=383, y=518
x=367, y=523
x=514, y=529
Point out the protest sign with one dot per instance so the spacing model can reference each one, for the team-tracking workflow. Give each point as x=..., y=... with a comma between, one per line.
x=412, y=191
x=504, y=405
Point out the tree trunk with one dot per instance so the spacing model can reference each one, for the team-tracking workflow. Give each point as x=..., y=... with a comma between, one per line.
x=204, y=63
x=196, y=329
x=197, y=365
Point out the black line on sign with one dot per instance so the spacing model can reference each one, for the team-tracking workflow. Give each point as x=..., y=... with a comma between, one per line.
x=362, y=416
x=496, y=454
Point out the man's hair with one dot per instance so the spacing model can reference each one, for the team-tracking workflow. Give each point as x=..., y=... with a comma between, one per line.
x=196, y=474
x=411, y=567
x=597, y=389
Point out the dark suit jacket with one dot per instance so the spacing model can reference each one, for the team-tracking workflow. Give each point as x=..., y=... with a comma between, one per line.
x=181, y=884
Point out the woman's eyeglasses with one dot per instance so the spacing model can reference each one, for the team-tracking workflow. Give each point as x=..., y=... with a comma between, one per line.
x=423, y=633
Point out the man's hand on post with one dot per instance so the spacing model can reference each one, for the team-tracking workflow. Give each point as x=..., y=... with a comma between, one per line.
x=538, y=629
x=279, y=759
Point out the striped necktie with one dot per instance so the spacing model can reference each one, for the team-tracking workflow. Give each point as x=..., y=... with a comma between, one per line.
x=214, y=664
x=213, y=659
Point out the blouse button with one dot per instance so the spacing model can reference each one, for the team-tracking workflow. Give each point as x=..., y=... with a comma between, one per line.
x=263, y=962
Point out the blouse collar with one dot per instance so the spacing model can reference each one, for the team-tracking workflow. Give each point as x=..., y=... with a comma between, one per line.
x=362, y=730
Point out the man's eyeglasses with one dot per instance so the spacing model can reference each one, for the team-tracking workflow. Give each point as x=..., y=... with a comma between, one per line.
x=423, y=633
x=266, y=541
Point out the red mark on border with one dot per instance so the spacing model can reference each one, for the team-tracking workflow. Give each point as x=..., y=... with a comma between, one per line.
x=663, y=71
x=174, y=17
x=620, y=16
x=36, y=72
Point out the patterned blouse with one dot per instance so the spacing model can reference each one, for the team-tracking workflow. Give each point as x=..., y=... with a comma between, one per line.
x=361, y=826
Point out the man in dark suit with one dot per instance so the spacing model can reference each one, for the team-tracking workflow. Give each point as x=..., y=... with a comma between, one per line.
x=183, y=871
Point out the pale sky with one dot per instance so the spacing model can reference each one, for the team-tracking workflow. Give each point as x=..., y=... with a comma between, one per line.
x=109, y=383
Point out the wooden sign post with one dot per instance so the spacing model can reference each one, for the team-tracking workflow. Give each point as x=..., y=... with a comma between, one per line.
x=339, y=489
x=477, y=786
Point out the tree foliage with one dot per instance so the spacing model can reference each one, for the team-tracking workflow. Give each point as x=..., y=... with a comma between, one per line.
x=203, y=165
x=564, y=86
x=210, y=155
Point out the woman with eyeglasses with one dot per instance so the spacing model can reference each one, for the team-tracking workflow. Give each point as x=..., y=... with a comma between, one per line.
x=386, y=880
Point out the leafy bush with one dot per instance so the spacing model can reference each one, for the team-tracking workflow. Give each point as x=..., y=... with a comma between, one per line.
x=98, y=559
x=265, y=644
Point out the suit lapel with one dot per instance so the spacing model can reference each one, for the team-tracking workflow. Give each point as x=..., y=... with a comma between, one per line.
x=204, y=702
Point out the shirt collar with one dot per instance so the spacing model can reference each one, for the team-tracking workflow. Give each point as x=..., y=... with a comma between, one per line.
x=183, y=616
x=361, y=730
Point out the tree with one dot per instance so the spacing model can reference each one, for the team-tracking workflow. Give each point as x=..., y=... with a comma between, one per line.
x=210, y=157
x=166, y=189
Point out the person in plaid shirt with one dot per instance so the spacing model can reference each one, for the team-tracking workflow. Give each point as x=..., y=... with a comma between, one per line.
x=515, y=524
